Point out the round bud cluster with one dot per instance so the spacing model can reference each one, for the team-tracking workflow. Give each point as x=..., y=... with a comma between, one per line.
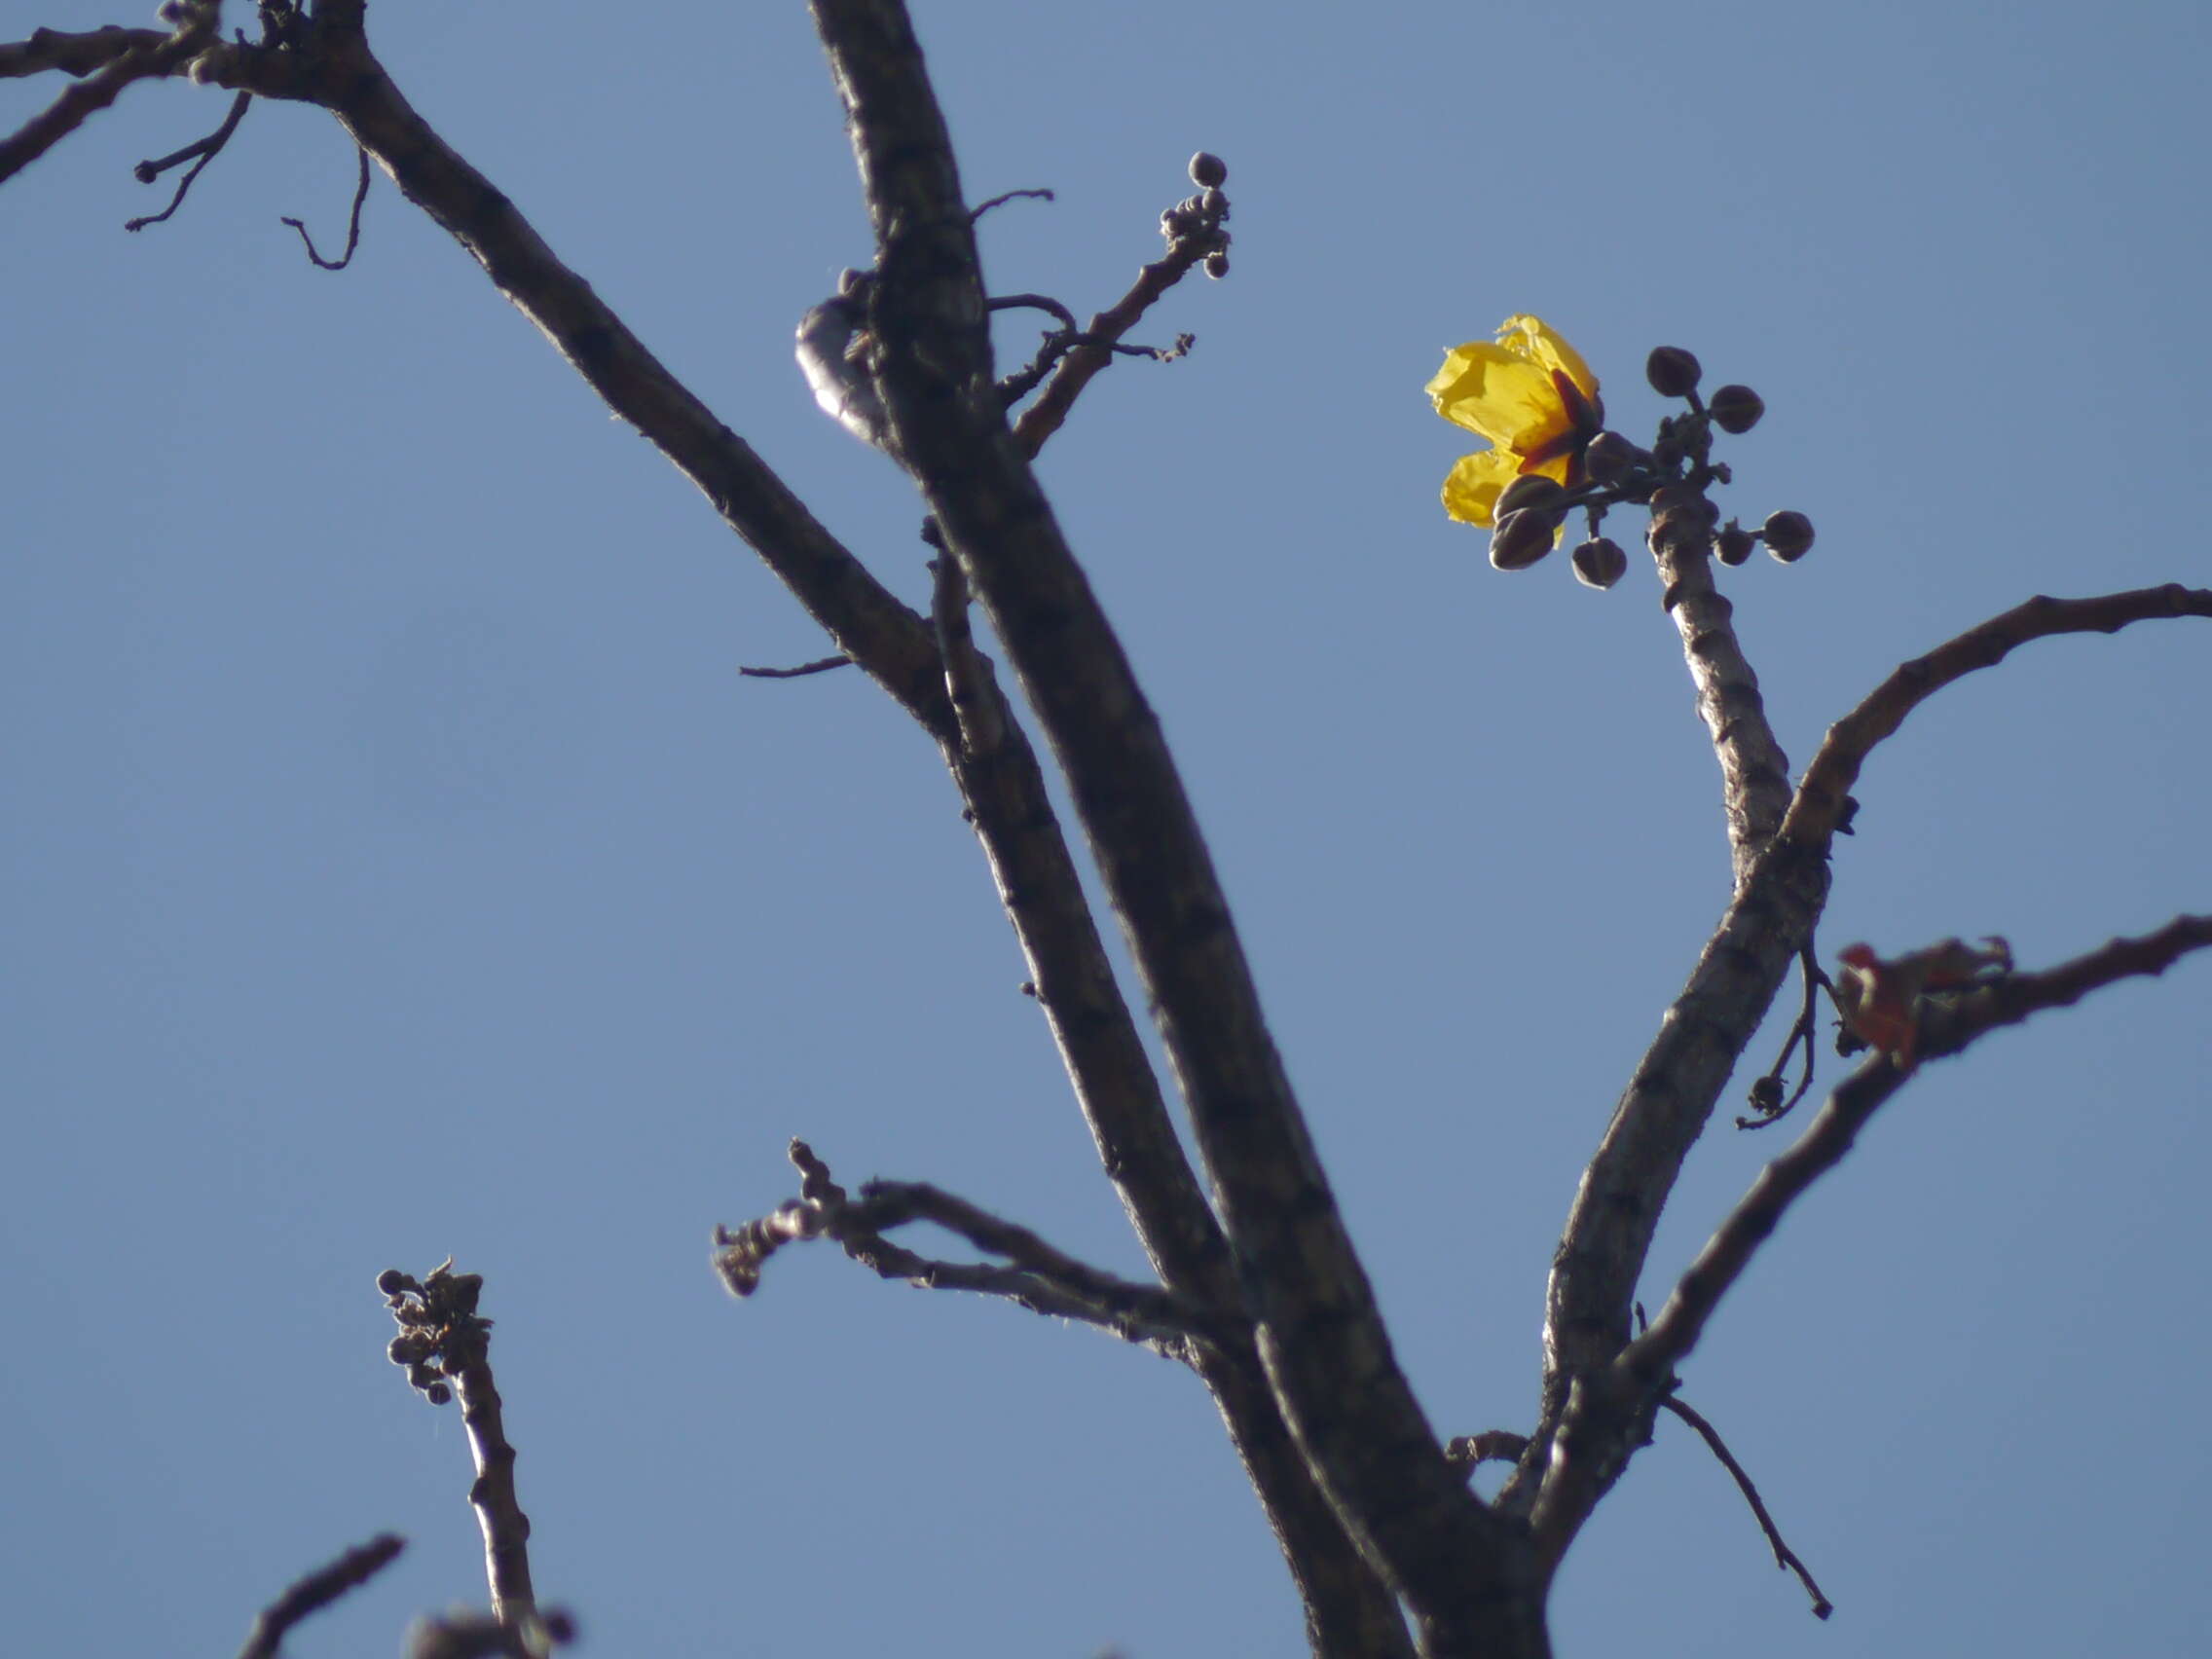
x=1672, y=371
x=1736, y=409
x=1788, y=535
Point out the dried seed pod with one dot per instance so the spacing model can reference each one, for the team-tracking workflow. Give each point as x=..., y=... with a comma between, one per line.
x=1672, y=371
x=1600, y=562
x=1788, y=535
x=1736, y=409
x=1732, y=544
x=1209, y=170
x=1520, y=539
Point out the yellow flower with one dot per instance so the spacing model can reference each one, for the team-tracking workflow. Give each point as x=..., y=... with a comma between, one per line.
x=1532, y=396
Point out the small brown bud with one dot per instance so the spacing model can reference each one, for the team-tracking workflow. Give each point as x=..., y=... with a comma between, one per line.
x=390, y=1282
x=1600, y=562
x=1532, y=490
x=1788, y=535
x=1610, y=458
x=437, y=1393
x=1672, y=371
x=1217, y=264
x=1736, y=409
x=1732, y=544
x=1208, y=169
x=1520, y=539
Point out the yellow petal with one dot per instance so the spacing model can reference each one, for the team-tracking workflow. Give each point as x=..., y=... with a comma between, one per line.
x=1530, y=337
x=1475, y=482
x=1496, y=393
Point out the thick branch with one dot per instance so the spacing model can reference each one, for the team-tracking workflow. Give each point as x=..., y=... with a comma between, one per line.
x=1665, y=1108
x=1755, y=772
x=1827, y=781
x=1321, y=1337
x=1624, y=1393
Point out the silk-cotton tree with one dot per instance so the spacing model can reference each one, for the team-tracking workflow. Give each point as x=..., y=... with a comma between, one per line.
x=1257, y=1284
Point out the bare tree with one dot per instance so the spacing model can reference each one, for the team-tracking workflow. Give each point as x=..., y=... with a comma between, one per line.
x=1257, y=1284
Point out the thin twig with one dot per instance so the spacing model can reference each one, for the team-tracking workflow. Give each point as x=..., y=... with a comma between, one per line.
x=1000, y=200
x=1075, y=369
x=207, y=149
x=1783, y=1555
x=819, y=665
x=1044, y=1279
x=352, y=225
x=1767, y=1092
x=316, y=1591
x=1035, y=302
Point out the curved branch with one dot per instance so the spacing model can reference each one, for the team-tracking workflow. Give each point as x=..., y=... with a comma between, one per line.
x=335, y=69
x=1818, y=802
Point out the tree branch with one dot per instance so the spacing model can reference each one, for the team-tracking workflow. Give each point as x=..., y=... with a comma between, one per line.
x=446, y=1347
x=1827, y=781
x=1667, y=1103
x=334, y=67
x=1043, y=1279
x=130, y=55
x=1609, y=1403
x=316, y=1591
x=1323, y=1339
x=1754, y=771
x=1783, y=1556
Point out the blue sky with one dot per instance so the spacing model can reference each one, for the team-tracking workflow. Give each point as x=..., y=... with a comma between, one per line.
x=395, y=865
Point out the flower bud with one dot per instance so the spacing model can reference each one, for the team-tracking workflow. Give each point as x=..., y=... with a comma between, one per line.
x=1672, y=371
x=1520, y=539
x=390, y=1282
x=1601, y=563
x=1209, y=170
x=1532, y=490
x=1610, y=458
x=1217, y=264
x=1736, y=409
x=1788, y=535
x=1732, y=544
